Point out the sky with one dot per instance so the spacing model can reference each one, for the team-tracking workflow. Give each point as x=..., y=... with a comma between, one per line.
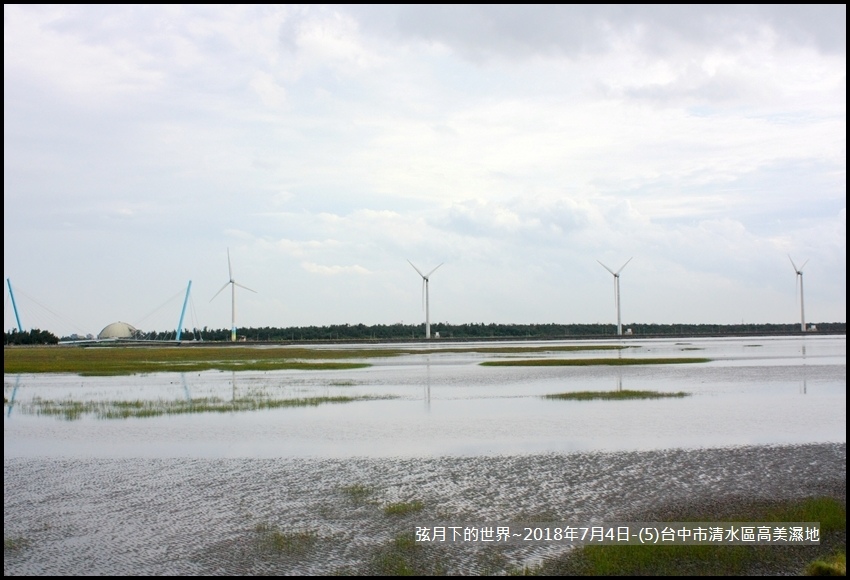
x=515, y=147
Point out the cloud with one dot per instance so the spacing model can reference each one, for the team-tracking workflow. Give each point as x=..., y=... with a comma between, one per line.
x=485, y=32
x=517, y=144
x=333, y=270
x=270, y=93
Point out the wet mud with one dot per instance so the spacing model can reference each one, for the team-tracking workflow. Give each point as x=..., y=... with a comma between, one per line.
x=301, y=516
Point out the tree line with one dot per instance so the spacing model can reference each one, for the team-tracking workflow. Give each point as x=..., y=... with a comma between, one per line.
x=470, y=331
x=34, y=336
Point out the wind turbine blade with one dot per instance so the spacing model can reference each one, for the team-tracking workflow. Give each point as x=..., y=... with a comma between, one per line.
x=245, y=287
x=415, y=268
x=803, y=266
x=607, y=268
x=624, y=265
x=796, y=269
x=229, y=269
x=423, y=292
x=428, y=275
x=219, y=292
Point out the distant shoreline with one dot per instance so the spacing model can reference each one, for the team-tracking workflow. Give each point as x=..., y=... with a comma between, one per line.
x=418, y=340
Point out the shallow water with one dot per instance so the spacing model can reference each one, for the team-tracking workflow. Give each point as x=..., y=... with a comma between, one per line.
x=754, y=391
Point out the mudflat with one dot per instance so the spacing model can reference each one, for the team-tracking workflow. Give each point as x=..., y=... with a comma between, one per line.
x=303, y=516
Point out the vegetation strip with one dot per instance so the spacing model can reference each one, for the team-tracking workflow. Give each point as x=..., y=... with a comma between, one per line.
x=403, y=555
x=613, y=395
x=73, y=410
x=734, y=560
x=272, y=539
x=125, y=360
x=403, y=508
x=128, y=361
x=583, y=362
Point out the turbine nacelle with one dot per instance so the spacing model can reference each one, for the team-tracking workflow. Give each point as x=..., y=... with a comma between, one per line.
x=799, y=270
x=617, y=273
x=427, y=276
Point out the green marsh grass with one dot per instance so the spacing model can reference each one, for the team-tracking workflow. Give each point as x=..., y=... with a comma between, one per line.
x=613, y=395
x=73, y=410
x=273, y=539
x=729, y=560
x=585, y=362
x=14, y=544
x=114, y=361
x=403, y=508
x=832, y=565
x=126, y=360
x=357, y=492
x=404, y=556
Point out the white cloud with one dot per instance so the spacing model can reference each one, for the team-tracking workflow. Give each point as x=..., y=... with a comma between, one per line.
x=333, y=270
x=516, y=144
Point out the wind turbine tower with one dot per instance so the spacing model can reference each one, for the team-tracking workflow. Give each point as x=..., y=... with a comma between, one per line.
x=617, y=292
x=799, y=272
x=425, y=279
x=233, y=284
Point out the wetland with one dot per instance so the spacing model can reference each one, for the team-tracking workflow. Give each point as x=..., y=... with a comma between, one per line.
x=199, y=468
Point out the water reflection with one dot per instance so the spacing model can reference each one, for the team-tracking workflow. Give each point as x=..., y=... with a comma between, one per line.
x=14, y=393
x=804, y=368
x=428, y=383
x=185, y=387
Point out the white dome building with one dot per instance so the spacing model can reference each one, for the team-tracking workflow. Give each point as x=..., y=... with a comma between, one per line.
x=118, y=330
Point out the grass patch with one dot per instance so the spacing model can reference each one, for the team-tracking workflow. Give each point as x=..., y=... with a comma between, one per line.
x=403, y=556
x=613, y=395
x=403, y=508
x=73, y=410
x=14, y=544
x=702, y=560
x=271, y=539
x=111, y=360
x=358, y=492
x=584, y=362
x=834, y=565
x=128, y=360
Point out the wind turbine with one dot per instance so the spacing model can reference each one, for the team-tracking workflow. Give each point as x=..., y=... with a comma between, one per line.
x=617, y=292
x=799, y=272
x=425, y=279
x=233, y=284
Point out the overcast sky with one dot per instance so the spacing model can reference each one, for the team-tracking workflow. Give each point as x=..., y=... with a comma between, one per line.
x=325, y=146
